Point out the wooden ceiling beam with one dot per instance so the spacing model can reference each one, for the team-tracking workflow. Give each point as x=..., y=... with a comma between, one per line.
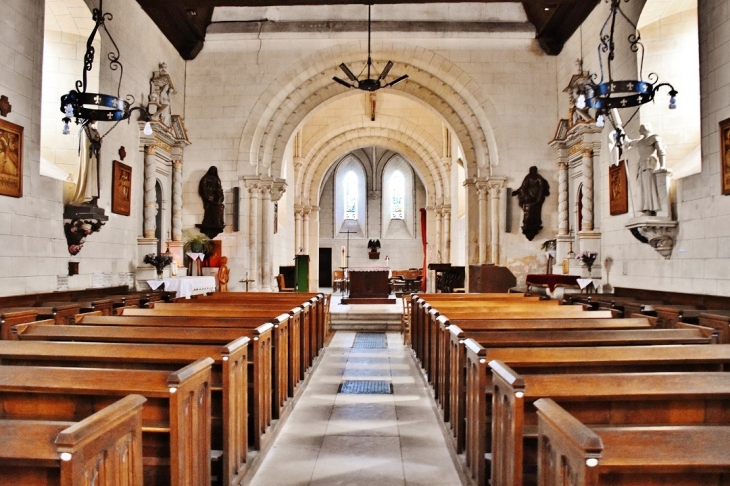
x=185, y=22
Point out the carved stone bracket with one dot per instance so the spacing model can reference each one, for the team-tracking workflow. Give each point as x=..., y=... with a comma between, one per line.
x=80, y=221
x=660, y=233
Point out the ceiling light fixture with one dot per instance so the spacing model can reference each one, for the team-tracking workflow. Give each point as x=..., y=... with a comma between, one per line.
x=610, y=93
x=89, y=107
x=368, y=84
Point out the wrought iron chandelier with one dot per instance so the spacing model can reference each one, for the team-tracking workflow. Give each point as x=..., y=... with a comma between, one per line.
x=85, y=107
x=609, y=93
x=368, y=84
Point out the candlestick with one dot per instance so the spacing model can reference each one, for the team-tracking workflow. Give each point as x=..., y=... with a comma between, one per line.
x=344, y=258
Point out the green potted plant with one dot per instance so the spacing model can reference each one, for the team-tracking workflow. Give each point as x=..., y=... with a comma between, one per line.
x=196, y=243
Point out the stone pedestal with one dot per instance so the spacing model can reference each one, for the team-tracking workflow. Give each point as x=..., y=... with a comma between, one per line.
x=658, y=232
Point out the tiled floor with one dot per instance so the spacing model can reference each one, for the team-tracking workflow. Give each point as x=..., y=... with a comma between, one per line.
x=350, y=439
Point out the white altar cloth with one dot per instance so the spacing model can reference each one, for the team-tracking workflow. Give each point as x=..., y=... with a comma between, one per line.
x=185, y=286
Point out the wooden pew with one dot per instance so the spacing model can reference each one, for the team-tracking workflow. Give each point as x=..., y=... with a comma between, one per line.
x=230, y=394
x=103, y=305
x=437, y=358
x=428, y=339
x=176, y=416
x=260, y=354
x=553, y=360
x=469, y=362
x=629, y=456
x=421, y=305
x=103, y=449
x=10, y=316
x=313, y=318
x=600, y=399
x=307, y=321
x=285, y=343
x=319, y=310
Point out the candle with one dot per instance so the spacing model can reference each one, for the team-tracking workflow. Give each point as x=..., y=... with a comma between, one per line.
x=343, y=263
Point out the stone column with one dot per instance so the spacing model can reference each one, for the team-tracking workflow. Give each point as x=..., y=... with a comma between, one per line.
x=177, y=200
x=495, y=190
x=305, y=229
x=438, y=216
x=253, y=234
x=446, y=234
x=267, y=234
x=150, y=202
x=471, y=244
x=563, y=196
x=587, y=214
x=482, y=191
x=298, y=247
x=314, y=244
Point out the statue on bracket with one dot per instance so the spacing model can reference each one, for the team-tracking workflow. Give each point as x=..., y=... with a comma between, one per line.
x=211, y=192
x=531, y=194
x=651, y=151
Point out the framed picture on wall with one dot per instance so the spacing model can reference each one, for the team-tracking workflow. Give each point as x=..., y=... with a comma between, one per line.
x=121, y=188
x=618, y=189
x=11, y=159
x=725, y=154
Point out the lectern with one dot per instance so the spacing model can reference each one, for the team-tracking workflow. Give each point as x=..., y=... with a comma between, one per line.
x=301, y=265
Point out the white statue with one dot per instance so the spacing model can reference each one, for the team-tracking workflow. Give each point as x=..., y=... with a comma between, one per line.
x=651, y=151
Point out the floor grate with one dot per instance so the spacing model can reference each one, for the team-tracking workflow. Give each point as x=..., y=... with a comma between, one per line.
x=372, y=340
x=361, y=387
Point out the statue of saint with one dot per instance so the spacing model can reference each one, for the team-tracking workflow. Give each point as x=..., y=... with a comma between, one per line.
x=651, y=151
x=223, y=275
x=531, y=194
x=211, y=191
x=87, y=185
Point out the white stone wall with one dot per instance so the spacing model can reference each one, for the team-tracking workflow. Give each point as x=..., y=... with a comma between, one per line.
x=31, y=228
x=700, y=261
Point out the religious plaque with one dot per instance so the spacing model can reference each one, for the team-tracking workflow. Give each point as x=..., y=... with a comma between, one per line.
x=725, y=155
x=11, y=159
x=618, y=189
x=121, y=188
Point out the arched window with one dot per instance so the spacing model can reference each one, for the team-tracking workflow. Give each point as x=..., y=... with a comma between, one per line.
x=350, y=195
x=397, y=193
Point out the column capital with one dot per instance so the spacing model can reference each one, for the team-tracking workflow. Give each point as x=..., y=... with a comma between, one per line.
x=494, y=183
x=150, y=149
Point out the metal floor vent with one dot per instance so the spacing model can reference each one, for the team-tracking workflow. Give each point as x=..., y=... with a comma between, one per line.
x=362, y=387
x=372, y=340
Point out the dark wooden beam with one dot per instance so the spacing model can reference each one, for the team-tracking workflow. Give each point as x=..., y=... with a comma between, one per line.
x=559, y=22
x=185, y=22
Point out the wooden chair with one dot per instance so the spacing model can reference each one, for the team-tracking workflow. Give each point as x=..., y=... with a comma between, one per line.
x=282, y=285
x=339, y=284
x=405, y=323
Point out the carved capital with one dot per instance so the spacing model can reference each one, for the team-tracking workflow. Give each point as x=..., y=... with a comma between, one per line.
x=150, y=149
x=278, y=188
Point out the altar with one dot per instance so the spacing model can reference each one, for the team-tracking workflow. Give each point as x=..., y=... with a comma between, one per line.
x=185, y=286
x=369, y=285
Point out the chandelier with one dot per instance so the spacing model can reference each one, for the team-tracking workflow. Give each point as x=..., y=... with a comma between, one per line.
x=609, y=93
x=85, y=107
x=368, y=84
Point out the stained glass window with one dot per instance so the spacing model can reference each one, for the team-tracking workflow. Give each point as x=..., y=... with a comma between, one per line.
x=397, y=191
x=351, y=195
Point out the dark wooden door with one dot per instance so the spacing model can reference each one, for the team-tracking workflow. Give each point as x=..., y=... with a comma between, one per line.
x=325, y=267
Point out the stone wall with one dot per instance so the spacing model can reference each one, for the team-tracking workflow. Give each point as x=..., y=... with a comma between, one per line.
x=35, y=252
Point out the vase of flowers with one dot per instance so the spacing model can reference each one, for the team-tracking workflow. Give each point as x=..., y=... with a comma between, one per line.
x=158, y=261
x=587, y=257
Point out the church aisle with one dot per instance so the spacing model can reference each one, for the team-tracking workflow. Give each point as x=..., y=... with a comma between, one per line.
x=334, y=438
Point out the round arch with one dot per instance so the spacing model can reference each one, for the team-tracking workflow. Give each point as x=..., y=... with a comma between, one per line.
x=433, y=81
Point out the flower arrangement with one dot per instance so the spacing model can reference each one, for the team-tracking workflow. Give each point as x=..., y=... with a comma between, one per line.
x=587, y=257
x=158, y=261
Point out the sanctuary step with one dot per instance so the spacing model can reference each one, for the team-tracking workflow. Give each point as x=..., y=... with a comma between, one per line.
x=365, y=317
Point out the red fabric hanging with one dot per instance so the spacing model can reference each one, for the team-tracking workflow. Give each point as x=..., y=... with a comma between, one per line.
x=425, y=253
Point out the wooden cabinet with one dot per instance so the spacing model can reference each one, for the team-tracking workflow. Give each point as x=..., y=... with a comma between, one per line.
x=490, y=278
x=369, y=284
